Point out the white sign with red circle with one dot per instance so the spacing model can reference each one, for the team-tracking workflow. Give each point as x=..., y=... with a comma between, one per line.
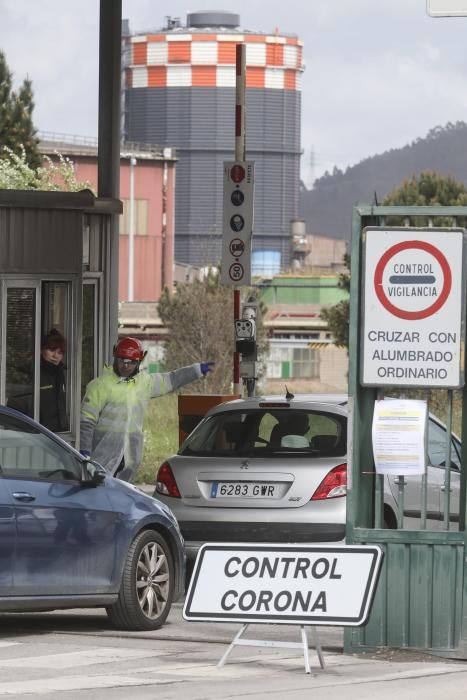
x=413, y=297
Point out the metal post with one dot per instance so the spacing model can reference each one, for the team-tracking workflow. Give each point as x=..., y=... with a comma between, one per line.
x=447, y=465
x=379, y=482
x=108, y=149
x=165, y=179
x=131, y=231
x=240, y=70
x=110, y=49
x=424, y=490
x=400, y=481
x=236, y=357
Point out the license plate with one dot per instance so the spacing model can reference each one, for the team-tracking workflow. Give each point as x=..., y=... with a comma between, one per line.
x=243, y=489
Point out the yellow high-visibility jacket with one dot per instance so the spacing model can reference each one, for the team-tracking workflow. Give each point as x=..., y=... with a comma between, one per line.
x=112, y=413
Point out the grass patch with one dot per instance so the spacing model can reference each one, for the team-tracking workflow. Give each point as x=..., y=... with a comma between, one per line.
x=160, y=436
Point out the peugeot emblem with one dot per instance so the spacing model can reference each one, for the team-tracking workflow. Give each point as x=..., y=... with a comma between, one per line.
x=244, y=465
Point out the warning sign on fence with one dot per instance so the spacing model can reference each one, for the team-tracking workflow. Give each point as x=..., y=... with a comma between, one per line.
x=413, y=300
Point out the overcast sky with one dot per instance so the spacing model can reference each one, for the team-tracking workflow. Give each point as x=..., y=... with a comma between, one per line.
x=379, y=73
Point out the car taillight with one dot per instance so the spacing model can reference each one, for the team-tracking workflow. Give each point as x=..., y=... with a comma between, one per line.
x=165, y=481
x=333, y=485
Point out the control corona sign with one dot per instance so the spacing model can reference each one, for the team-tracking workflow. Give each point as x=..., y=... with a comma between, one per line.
x=413, y=330
x=237, y=226
x=284, y=583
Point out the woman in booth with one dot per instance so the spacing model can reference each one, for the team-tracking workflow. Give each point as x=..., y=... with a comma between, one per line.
x=52, y=397
x=53, y=383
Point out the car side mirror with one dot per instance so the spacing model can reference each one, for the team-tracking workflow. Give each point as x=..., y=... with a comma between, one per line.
x=94, y=473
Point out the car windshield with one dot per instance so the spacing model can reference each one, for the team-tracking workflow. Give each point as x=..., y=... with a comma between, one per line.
x=265, y=432
x=27, y=453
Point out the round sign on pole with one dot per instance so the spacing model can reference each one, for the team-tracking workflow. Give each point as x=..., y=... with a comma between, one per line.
x=413, y=286
x=237, y=222
x=237, y=198
x=236, y=247
x=236, y=272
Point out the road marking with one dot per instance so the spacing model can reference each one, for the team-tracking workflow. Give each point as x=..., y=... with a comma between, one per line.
x=208, y=671
x=49, y=685
x=89, y=657
x=41, y=686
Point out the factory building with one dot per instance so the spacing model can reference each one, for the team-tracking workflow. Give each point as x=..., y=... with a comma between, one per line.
x=180, y=92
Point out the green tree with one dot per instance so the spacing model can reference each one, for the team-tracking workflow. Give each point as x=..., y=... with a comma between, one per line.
x=337, y=317
x=428, y=189
x=200, y=320
x=59, y=175
x=16, y=126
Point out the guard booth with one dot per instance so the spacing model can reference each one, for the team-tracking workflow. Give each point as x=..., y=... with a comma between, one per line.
x=421, y=598
x=57, y=261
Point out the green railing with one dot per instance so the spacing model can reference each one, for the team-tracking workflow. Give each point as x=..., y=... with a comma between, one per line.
x=421, y=600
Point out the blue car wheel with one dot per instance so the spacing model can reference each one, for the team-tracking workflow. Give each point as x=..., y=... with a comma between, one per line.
x=147, y=586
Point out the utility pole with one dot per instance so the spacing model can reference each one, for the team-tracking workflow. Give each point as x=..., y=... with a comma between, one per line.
x=131, y=231
x=240, y=69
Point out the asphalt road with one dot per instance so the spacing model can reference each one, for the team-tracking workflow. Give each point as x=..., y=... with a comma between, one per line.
x=78, y=655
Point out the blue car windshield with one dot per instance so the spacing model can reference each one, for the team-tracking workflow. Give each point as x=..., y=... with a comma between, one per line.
x=265, y=432
x=28, y=453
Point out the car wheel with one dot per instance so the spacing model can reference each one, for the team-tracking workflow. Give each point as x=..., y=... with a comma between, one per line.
x=147, y=586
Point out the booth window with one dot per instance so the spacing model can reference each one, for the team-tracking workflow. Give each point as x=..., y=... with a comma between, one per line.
x=33, y=308
x=55, y=306
x=140, y=214
x=305, y=363
x=20, y=347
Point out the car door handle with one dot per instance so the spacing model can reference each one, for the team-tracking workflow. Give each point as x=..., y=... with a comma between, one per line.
x=23, y=496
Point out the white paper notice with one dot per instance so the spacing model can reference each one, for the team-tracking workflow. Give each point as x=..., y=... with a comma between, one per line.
x=399, y=431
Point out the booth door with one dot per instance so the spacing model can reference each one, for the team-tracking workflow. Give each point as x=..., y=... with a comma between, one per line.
x=30, y=309
x=21, y=323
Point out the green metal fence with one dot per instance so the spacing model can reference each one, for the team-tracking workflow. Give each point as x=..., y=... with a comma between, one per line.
x=421, y=600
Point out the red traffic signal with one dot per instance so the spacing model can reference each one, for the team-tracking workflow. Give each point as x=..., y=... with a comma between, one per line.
x=237, y=173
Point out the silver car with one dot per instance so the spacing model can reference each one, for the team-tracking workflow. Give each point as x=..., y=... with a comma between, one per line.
x=268, y=469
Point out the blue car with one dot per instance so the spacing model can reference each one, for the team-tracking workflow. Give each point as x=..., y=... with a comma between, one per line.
x=72, y=536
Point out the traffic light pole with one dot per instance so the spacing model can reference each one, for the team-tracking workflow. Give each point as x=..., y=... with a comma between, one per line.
x=240, y=70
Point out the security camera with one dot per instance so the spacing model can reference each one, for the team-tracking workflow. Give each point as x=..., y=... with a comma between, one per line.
x=245, y=329
x=249, y=312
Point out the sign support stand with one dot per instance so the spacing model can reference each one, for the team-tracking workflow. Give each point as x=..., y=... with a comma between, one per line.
x=288, y=584
x=239, y=641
